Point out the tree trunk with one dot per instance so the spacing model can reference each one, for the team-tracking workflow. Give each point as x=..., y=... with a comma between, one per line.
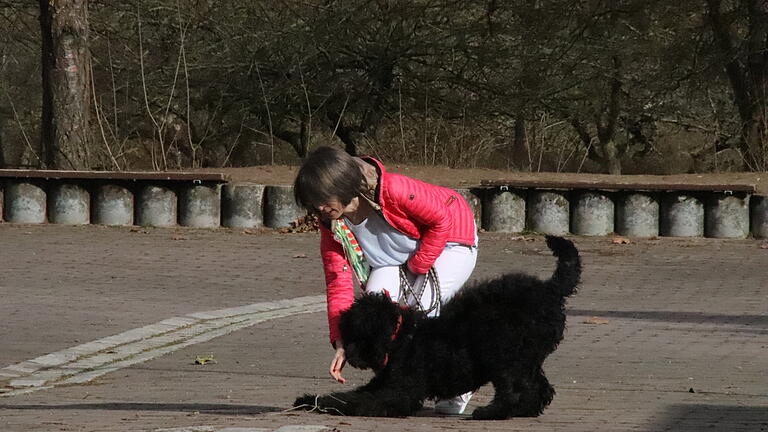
x=607, y=120
x=65, y=76
x=349, y=139
x=611, y=158
x=2, y=147
x=746, y=64
x=304, y=138
x=755, y=137
x=521, y=157
x=756, y=126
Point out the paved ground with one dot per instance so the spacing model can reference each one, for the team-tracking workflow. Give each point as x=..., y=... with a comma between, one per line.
x=679, y=344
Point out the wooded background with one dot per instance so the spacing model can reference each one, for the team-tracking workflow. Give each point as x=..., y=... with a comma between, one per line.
x=624, y=86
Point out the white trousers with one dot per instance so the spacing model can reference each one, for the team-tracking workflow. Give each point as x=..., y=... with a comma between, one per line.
x=453, y=268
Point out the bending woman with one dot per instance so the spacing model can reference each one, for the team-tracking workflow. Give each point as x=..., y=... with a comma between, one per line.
x=415, y=241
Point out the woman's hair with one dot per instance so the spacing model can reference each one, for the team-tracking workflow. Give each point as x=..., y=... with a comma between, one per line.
x=327, y=173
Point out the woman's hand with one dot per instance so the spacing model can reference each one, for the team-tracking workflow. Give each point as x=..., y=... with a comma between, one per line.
x=410, y=276
x=339, y=360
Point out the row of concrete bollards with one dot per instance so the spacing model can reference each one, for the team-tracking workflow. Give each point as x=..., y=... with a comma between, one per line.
x=247, y=205
x=161, y=205
x=629, y=213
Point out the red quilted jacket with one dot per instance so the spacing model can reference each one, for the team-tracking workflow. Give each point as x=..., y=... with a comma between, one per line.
x=434, y=215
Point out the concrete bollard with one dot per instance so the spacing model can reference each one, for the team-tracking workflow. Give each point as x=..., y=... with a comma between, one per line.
x=112, y=204
x=156, y=206
x=504, y=211
x=475, y=205
x=548, y=212
x=242, y=205
x=592, y=213
x=25, y=202
x=681, y=215
x=200, y=206
x=280, y=209
x=759, y=216
x=726, y=216
x=637, y=215
x=69, y=204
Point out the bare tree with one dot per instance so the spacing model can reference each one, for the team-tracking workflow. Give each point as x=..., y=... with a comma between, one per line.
x=65, y=79
x=745, y=61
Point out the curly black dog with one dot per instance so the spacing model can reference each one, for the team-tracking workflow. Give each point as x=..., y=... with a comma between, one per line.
x=498, y=331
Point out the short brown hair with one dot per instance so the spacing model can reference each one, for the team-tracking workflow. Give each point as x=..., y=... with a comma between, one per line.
x=328, y=173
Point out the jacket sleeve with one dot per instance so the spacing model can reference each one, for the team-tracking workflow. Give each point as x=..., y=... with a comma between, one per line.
x=340, y=292
x=423, y=204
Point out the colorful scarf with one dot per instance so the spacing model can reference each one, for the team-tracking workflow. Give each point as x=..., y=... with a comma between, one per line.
x=352, y=250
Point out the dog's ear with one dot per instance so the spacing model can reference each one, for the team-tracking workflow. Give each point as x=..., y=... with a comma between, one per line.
x=371, y=316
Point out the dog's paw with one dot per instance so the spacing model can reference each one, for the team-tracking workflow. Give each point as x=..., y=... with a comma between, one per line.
x=307, y=402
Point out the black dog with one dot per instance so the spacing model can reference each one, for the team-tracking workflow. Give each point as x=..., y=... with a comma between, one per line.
x=499, y=331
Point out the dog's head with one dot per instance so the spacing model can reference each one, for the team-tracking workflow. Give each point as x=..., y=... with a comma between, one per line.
x=367, y=329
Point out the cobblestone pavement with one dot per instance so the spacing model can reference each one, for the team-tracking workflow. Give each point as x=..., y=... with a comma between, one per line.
x=665, y=334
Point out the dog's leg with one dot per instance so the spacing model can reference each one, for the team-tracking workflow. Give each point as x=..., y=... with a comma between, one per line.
x=383, y=402
x=518, y=396
x=536, y=396
x=504, y=401
x=391, y=402
x=338, y=403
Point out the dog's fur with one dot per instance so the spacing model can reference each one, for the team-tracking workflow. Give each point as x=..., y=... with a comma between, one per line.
x=498, y=331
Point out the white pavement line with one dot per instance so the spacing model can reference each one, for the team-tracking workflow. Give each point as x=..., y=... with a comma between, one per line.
x=213, y=429
x=85, y=362
x=286, y=428
x=301, y=428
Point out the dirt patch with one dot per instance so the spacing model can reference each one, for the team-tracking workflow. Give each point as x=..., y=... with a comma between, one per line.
x=283, y=174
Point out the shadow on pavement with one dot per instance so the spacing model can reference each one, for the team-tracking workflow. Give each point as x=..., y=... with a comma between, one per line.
x=698, y=417
x=132, y=406
x=677, y=317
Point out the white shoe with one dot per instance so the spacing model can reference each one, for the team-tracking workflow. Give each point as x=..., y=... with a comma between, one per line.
x=453, y=406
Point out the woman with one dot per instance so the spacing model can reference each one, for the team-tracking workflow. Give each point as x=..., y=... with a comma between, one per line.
x=415, y=241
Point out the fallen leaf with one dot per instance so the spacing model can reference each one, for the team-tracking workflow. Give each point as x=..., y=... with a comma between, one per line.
x=178, y=237
x=308, y=223
x=620, y=240
x=300, y=256
x=764, y=245
x=205, y=359
x=595, y=321
x=250, y=231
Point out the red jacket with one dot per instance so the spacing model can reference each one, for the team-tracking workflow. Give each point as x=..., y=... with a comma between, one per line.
x=432, y=214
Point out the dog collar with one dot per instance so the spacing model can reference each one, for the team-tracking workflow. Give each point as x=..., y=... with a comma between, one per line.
x=397, y=327
x=393, y=337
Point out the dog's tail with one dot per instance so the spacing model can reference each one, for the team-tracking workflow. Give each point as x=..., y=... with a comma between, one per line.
x=568, y=272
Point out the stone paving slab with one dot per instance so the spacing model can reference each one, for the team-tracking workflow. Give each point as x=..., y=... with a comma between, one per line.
x=140, y=345
x=665, y=334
